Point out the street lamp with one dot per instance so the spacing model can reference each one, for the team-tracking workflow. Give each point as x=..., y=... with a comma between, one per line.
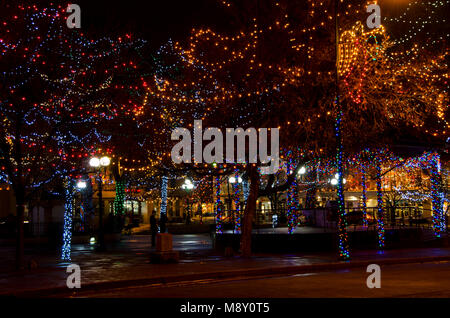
x=188, y=185
x=98, y=164
x=105, y=161
x=94, y=162
x=233, y=180
x=302, y=170
x=81, y=184
x=334, y=181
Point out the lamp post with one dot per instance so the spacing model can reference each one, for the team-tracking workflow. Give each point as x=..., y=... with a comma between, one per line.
x=236, y=215
x=98, y=164
x=81, y=186
x=301, y=173
x=188, y=186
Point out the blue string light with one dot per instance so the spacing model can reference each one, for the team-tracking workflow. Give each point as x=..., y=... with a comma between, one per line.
x=364, y=194
x=218, y=207
x=380, y=214
x=292, y=197
x=245, y=189
x=437, y=195
x=344, y=251
x=68, y=215
x=164, y=195
x=237, y=200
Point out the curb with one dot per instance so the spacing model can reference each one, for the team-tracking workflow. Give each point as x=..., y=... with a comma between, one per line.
x=253, y=272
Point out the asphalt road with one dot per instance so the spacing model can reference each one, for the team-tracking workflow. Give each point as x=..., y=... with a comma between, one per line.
x=408, y=280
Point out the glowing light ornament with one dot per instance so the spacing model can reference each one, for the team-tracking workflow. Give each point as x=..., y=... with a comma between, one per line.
x=218, y=207
x=164, y=195
x=354, y=47
x=68, y=215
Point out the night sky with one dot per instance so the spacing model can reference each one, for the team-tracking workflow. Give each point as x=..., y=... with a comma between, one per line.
x=155, y=21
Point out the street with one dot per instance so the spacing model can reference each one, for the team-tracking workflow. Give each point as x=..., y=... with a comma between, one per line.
x=408, y=280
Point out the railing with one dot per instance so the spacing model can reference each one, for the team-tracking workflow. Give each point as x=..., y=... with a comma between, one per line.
x=319, y=217
x=326, y=217
x=79, y=226
x=393, y=217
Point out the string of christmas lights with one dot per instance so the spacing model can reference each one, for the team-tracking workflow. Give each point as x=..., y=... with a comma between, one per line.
x=364, y=195
x=164, y=195
x=218, y=206
x=68, y=215
x=380, y=214
x=119, y=199
x=437, y=196
x=237, y=202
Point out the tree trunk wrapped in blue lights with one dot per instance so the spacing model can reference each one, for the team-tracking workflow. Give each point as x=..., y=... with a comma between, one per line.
x=364, y=194
x=245, y=189
x=68, y=215
x=380, y=212
x=437, y=196
x=344, y=251
x=292, y=201
x=237, y=201
x=292, y=204
x=218, y=207
x=164, y=195
x=119, y=200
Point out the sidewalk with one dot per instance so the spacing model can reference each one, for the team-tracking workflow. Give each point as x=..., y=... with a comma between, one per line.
x=127, y=264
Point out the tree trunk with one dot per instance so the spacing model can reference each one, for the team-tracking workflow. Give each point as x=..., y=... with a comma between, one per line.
x=437, y=196
x=18, y=184
x=380, y=214
x=364, y=195
x=249, y=212
x=20, y=211
x=119, y=200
